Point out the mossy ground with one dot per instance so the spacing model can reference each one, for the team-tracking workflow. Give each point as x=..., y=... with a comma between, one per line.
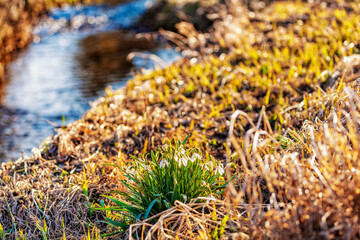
x=273, y=93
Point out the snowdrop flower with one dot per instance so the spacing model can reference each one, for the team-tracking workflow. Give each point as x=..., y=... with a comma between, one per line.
x=209, y=166
x=183, y=161
x=164, y=163
x=219, y=170
x=194, y=157
x=130, y=170
x=182, y=150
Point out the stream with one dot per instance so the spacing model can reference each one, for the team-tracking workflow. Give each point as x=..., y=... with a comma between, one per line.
x=76, y=53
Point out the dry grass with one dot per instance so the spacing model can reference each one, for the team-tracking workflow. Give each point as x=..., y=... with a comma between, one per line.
x=193, y=221
x=274, y=94
x=312, y=185
x=35, y=190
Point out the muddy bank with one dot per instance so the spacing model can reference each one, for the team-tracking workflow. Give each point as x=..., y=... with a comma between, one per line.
x=166, y=14
x=107, y=53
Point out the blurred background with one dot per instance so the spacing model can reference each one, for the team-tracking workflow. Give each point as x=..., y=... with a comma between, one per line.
x=76, y=51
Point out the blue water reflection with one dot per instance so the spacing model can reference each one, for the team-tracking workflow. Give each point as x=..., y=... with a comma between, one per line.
x=47, y=82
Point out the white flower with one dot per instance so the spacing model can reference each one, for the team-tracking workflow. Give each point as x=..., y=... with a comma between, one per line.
x=130, y=170
x=164, y=163
x=182, y=150
x=209, y=166
x=183, y=160
x=195, y=157
x=219, y=170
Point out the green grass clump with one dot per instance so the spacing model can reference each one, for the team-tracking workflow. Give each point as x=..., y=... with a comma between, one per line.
x=173, y=174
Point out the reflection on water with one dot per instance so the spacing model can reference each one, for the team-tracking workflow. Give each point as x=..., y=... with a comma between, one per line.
x=103, y=59
x=93, y=18
x=68, y=68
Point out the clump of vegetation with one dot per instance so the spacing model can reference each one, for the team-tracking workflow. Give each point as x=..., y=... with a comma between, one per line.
x=173, y=174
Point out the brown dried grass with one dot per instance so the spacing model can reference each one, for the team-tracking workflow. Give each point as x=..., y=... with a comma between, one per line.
x=193, y=221
x=34, y=190
x=313, y=185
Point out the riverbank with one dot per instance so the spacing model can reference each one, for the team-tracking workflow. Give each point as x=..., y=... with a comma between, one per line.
x=272, y=93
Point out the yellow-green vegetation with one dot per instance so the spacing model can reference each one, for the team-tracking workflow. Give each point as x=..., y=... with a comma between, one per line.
x=274, y=94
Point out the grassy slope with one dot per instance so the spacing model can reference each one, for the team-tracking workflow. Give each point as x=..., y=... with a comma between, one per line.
x=294, y=145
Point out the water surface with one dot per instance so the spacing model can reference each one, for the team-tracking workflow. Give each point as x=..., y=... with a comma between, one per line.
x=67, y=66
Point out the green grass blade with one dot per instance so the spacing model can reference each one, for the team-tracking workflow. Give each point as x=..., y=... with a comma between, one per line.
x=149, y=208
x=186, y=139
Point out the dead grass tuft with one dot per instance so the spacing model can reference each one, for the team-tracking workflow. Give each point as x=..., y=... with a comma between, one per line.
x=192, y=221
